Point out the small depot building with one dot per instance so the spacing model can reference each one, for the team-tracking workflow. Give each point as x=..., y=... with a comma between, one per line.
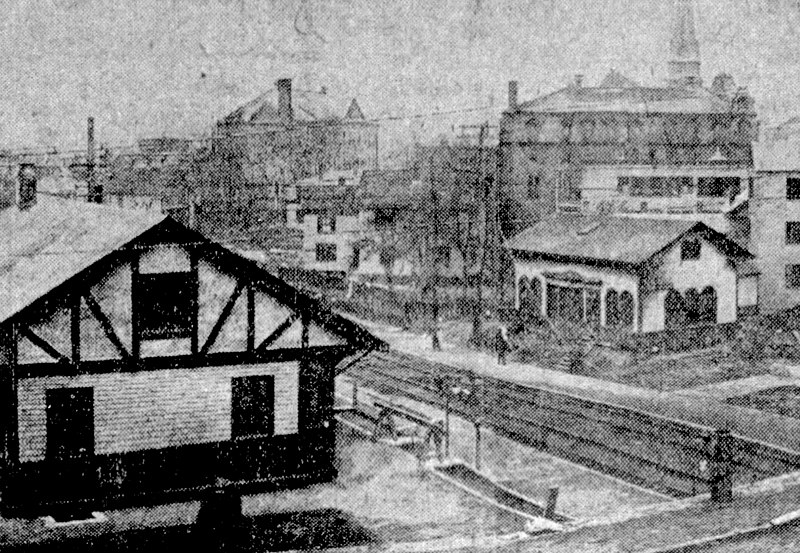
x=142, y=363
x=637, y=275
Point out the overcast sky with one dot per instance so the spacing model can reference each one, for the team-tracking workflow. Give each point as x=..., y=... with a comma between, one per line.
x=153, y=67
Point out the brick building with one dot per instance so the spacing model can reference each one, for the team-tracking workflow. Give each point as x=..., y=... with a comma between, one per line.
x=680, y=150
x=283, y=137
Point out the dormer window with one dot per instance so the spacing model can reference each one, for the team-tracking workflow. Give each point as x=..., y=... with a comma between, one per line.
x=690, y=250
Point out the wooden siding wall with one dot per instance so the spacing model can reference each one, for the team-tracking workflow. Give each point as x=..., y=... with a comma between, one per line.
x=156, y=409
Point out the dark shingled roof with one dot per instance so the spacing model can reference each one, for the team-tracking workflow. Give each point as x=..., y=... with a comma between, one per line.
x=627, y=241
x=44, y=246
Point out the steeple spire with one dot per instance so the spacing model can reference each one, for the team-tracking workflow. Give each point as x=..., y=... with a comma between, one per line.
x=684, y=49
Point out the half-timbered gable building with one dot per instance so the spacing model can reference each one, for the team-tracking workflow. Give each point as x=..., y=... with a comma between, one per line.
x=141, y=360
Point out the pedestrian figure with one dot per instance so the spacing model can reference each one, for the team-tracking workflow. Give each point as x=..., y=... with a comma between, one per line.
x=501, y=344
x=720, y=466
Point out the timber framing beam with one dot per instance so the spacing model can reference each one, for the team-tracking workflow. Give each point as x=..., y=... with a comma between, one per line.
x=226, y=311
x=269, y=340
x=44, y=345
x=106, y=325
x=328, y=354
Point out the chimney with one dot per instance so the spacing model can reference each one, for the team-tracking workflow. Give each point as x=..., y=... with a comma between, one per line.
x=285, y=100
x=94, y=192
x=26, y=191
x=513, y=87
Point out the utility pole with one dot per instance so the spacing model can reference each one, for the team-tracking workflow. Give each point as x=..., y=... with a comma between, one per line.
x=93, y=194
x=477, y=309
x=434, y=272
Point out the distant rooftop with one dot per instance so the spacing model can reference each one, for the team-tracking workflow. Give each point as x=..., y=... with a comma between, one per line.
x=621, y=240
x=618, y=93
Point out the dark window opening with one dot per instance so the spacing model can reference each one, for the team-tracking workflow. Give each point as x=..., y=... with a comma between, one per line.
x=793, y=232
x=690, y=250
x=654, y=186
x=533, y=187
x=793, y=276
x=385, y=217
x=674, y=310
x=163, y=305
x=625, y=310
x=442, y=256
x=530, y=296
x=326, y=253
x=718, y=187
x=252, y=406
x=612, y=308
x=326, y=224
x=593, y=307
x=355, y=259
x=793, y=188
x=692, y=308
x=564, y=303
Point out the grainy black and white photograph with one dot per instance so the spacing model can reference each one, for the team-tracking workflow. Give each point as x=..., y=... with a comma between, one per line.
x=401, y=276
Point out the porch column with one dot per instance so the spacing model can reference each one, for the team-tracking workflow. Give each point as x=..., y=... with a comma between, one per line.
x=602, y=306
x=544, y=298
x=585, y=316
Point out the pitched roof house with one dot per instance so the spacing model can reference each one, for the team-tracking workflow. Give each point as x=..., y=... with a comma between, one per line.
x=143, y=362
x=640, y=275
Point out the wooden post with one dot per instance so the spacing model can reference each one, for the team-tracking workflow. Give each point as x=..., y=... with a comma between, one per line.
x=477, y=445
x=447, y=424
x=552, y=499
x=721, y=467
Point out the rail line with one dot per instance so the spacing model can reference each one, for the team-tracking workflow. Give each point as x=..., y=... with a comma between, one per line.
x=652, y=451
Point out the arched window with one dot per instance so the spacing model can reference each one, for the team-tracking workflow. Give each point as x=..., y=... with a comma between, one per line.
x=522, y=290
x=708, y=305
x=625, y=310
x=692, y=306
x=612, y=308
x=535, y=297
x=674, y=310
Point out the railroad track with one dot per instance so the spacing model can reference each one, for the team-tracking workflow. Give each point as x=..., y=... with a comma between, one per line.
x=651, y=451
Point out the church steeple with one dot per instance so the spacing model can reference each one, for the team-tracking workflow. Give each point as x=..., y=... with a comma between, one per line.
x=684, y=49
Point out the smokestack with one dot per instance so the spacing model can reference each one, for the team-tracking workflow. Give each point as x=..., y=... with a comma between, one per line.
x=26, y=190
x=513, y=87
x=94, y=190
x=285, y=100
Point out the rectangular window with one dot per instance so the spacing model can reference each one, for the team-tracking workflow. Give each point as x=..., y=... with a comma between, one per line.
x=793, y=188
x=326, y=224
x=793, y=232
x=718, y=187
x=533, y=187
x=326, y=252
x=690, y=250
x=442, y=256
x=252, y=406
x=793, y=276
x=163, y=304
